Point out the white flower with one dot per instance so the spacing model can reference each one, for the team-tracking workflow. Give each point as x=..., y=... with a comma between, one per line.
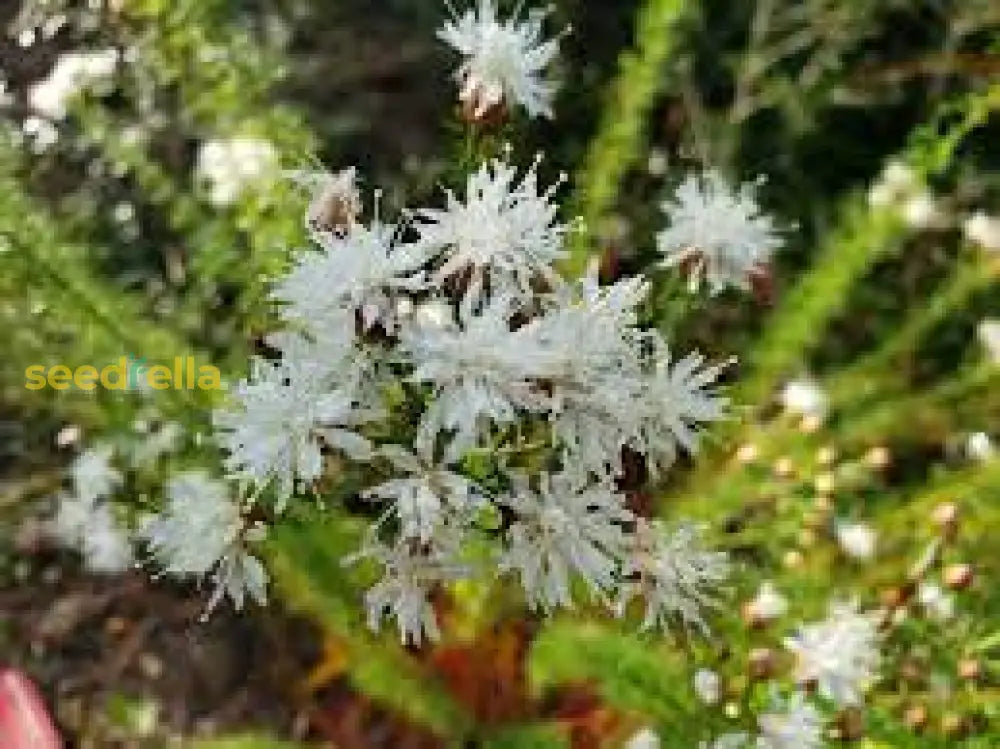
x=562, y=530
x=768, y=604
x=804, y=397
x=675, y=574
x=708, y=686
x=984, y=230
x=480, y=373
x=72, y=73
x=980, y=447
x=89, y=527
x=645, y=738
x=93, y=475
x=104, y=545
x=922, y=211
x=798, y=726
x=280, y=415
x=505, y=61
x=410, y=574
x=989, y=337
x=238, y=574
x=429, y=496
x=897, y=182
x=857, y=540
x=938, y=603
x=354, y=271
x=676, y=400
x=839, y=654
x=721, y=234
x=228, y=167
x=726, y=741
x=505, y=232
x=200, y=532
x=198, y=525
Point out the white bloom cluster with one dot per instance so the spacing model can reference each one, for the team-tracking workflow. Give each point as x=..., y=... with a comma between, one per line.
x=73, y=73
x=988, y=333
x=459, y=321
x=794, y=725
x=798, y=725
x=504, y=61
x=717, y=234
x=228, y=167
x=983, y=229
x=858, y=541
x=84, y=521
x=840, y=654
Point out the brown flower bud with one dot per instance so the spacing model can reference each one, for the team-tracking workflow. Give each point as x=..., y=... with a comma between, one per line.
x=761, y=663
x=878, y=458
x=958, y=576
x=953, y=725
x=915, y=718
x=851, y=724
x=945, y=517
x=969, y=669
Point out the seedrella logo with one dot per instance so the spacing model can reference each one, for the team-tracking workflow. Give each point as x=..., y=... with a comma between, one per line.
x=127, y=373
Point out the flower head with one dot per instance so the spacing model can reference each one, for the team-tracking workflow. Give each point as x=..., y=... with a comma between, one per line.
x=505, y=61
x=675, y=574
x=718, y=234
x=93, y=475
x=201, y=532
x=228, y=167
x=839, y=654
x=798, y=726
x=505, y=232
x=410, y=573
x=564, y=530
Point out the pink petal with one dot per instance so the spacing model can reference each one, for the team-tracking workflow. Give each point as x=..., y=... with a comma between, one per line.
x=24, y=720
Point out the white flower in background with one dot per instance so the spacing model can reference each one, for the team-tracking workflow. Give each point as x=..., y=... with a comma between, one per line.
x=717, y=234
x=562, y=530
x=505, y=232
x=353, y=271
x=88, y=526
x=857, y=540
x=645, y=738
x=93, y=475
x=505, y=61
x=922, y=212
x=104, y=545
x=936, y=601
x=410, y=574
x=984, y=230
x=199, y=524
x=427, y=497
x=768, y=605
x=228, y=167
x=73, y=73
x=804, y=397
x=839, y=654
x=989, y=336
x=675, y=574
x=726, y=741
x=708, y=686
x=897, y=182
x=980, y=447
x=798, y=726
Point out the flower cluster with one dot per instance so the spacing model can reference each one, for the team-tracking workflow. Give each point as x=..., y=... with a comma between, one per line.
x=522, y=392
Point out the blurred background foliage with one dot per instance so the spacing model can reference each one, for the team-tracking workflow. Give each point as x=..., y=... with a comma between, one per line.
x=119, y=237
